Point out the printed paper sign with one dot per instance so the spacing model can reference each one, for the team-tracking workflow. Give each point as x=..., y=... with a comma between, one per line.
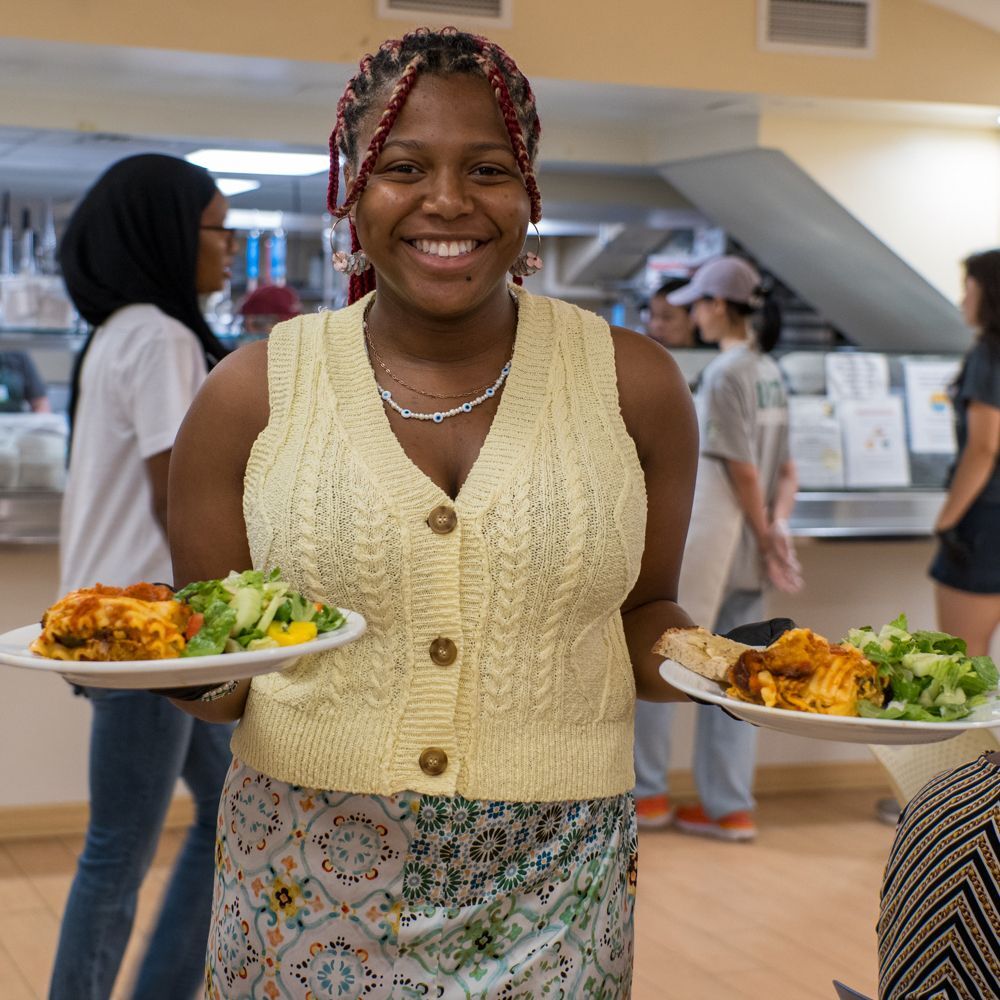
x=857, y=376
x=874, y=442
x=929, y=412
x=815, y=442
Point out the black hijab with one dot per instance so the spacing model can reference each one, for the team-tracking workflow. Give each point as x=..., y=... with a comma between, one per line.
x=133, y=240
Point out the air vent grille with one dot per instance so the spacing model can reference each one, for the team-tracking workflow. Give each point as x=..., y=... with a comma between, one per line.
x=832, y=25
x=487, y=10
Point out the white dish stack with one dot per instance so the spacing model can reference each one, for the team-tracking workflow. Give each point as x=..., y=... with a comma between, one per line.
x=32, y=451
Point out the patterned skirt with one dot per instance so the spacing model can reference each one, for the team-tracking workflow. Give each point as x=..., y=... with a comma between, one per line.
x=323, y=894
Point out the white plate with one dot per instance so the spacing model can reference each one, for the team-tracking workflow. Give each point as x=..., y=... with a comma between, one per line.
x=176, y=672
x=843, y=728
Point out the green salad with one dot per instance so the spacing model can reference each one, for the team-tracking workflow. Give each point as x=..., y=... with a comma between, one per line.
x=928, y=675
x=249, y=611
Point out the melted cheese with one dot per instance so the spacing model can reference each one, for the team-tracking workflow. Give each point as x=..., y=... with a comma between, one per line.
x=103, y=623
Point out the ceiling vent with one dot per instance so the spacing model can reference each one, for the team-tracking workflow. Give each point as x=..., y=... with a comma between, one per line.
x=817, y=27
x=496, y=13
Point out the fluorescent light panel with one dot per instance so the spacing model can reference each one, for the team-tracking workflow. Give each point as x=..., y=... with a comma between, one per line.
x=246, y=161
x=231, y=186
x=250, y=218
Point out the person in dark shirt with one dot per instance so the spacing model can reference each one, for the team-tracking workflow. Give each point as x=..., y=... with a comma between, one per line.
x=966, y=570
x=21, y=387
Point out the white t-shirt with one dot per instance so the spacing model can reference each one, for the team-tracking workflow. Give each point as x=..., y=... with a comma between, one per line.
x=139, y=378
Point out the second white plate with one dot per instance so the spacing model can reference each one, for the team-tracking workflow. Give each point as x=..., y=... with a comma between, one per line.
x=177, y=672
x=842, y=728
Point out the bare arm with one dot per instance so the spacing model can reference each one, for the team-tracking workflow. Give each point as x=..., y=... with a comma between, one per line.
x=40, y=404
x=784, y=495
x=975, y=465
x=659, y=414
x=750, y=497
x=207, y=533
x=158, y=472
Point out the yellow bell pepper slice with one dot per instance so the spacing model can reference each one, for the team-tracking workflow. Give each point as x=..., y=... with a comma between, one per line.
x=291, y=634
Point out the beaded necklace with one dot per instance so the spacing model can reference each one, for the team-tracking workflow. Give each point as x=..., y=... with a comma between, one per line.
x=439, y=416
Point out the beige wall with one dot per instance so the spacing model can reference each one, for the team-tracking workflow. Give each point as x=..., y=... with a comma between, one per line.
x=923, y=52
x=930, y=192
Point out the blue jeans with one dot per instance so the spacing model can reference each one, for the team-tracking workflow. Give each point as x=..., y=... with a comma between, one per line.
x=140, y=745
x=725, y=750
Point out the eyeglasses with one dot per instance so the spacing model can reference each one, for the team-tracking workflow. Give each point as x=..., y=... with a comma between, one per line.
x=231, y=235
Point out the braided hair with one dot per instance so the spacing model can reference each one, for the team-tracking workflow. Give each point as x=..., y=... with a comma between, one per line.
x=395, y=67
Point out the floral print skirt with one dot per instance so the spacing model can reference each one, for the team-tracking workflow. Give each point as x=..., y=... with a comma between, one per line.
x=323, y=894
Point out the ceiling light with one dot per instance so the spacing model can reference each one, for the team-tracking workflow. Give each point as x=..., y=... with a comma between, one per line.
x=231, y=186
x=248, y=161
x=251, y=218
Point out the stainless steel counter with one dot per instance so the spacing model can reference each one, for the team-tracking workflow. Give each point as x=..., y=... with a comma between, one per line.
x=881, y=514
x=29, y=517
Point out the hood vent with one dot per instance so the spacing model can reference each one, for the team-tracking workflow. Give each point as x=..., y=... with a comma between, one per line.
x=494, y=12
x=834, y=27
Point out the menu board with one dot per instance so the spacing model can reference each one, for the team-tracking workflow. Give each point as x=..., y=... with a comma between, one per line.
x=815, y=442
x=875, y=453
x=928, y=405
x=857, y=376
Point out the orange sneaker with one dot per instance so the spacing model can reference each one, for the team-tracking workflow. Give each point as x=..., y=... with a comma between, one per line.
x=654, y=811
x=735, y=826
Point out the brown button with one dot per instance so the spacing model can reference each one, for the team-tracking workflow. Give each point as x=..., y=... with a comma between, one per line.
x=443, y=652
x=442, y=520
x=433, y=761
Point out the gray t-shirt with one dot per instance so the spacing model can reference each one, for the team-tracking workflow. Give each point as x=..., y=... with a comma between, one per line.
x=743, y=416
x=980, y=383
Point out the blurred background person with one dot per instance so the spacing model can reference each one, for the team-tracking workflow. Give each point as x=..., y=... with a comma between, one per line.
x=268, y=305
x=966, y=570
x=21, y=387
x=738, y=543
x=668, y=324
x=143, y=244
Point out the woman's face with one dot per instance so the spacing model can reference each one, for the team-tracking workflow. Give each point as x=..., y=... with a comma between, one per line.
x=445, y=210
x=972, y=302
x=215, y=247
x=709, y=315
x=669, y=325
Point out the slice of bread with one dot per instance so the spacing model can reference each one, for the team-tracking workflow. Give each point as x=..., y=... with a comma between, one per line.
x=701, y=651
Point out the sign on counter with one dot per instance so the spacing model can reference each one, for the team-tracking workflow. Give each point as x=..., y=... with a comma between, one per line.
x=875, y=453
x=857, y=376
x=928, y=405
x=815, y=442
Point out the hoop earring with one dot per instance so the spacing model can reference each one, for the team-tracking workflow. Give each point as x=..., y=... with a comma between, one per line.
x=353, y=263
x=527, y=263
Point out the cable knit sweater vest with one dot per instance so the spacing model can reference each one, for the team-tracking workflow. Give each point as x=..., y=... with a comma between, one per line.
x=531, y=698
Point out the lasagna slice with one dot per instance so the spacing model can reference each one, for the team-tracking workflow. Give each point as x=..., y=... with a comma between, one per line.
x=804, y=672
x=140, y=622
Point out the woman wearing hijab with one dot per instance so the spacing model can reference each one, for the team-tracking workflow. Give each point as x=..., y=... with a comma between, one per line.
x=146, y=240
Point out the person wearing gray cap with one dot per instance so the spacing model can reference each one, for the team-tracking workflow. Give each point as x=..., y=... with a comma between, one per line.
x=743, y=420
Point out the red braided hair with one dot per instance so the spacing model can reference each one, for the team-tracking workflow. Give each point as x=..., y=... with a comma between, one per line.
x=445, y=51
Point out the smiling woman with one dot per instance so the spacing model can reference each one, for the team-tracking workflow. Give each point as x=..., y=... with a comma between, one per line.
x=481, y=473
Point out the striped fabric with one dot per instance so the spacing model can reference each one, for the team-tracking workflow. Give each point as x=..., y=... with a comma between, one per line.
x=939, y=927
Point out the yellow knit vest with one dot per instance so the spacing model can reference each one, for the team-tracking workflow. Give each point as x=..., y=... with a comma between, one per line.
x=538, y=703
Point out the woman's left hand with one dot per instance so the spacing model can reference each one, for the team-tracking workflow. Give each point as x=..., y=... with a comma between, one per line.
x=782, y=564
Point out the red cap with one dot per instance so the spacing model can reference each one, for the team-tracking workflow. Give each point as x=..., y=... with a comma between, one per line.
x=271, y=300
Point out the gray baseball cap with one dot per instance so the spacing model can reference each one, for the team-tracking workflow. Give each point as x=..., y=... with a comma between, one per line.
x=729, y=278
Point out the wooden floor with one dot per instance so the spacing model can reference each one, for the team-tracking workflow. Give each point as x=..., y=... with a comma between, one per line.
x=774, y=920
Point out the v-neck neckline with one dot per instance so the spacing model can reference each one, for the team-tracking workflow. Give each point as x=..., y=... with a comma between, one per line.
x=509, y=433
